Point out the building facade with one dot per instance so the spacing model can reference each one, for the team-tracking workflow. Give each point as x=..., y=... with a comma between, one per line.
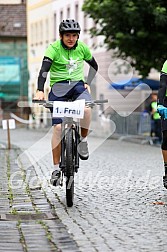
x=44, y=17
x=13, y=53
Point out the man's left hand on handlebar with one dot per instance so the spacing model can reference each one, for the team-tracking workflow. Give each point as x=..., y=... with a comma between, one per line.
x=39, y=95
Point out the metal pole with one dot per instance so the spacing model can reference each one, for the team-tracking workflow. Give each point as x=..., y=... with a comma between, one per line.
x=8, y=132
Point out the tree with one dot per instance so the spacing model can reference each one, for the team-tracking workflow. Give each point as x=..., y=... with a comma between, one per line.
x=135, y=29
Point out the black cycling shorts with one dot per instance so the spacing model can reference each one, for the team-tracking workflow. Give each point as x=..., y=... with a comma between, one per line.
x=164, y=124
x=67, y=90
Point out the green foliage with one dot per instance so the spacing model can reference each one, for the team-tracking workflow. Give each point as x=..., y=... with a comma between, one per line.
x=137, y=29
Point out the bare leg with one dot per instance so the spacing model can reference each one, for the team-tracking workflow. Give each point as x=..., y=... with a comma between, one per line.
x=85, y=122
x=56, y=144
x=164, y=153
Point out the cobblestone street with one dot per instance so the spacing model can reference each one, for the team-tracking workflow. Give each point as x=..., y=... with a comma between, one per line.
x=120, y=203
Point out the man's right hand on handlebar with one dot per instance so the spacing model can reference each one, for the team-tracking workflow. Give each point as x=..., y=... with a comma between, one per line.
x=39, y=95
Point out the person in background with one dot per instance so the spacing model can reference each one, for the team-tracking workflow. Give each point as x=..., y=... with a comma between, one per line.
x=155, y=120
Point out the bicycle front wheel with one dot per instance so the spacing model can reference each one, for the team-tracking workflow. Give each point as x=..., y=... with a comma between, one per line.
x=69, y=168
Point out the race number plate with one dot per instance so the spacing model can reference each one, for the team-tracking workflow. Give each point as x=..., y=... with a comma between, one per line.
x=73, y=109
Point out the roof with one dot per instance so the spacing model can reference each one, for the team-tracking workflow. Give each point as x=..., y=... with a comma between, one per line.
x=13, y=20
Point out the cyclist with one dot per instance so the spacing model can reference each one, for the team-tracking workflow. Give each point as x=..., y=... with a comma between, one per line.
x=65, y=60
x=162, y=110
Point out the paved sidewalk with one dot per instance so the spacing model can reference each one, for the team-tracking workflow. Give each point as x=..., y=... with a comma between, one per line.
x=120, y=203
x=28, y=221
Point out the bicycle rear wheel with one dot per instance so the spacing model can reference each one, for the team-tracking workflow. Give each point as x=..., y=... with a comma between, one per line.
x=69, y=168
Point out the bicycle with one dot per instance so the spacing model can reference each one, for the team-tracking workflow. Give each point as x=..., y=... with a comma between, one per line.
x=70, y=130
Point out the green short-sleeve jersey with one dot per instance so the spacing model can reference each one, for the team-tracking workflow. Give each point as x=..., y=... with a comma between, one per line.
x=67, y=64
x=164, y=68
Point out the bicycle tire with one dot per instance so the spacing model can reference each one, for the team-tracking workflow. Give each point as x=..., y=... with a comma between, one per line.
x=69, y=168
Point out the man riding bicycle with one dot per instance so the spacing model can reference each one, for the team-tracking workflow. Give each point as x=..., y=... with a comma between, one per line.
x=162, y=110
x=65, y=60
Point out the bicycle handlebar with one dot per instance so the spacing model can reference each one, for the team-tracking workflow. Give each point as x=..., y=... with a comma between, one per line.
x=99, y=101
x=88, y=103
x=39, y=101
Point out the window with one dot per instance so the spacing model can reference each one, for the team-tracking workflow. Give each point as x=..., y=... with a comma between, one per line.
x=95, y=37
x=32, y=34
x=76, y=12
x=40, y=32
x=68, y=12
x=85, y=24
x=61, y=16
x=101, y=97
x=46, y=31
x=36, y=34
x=55, y=26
